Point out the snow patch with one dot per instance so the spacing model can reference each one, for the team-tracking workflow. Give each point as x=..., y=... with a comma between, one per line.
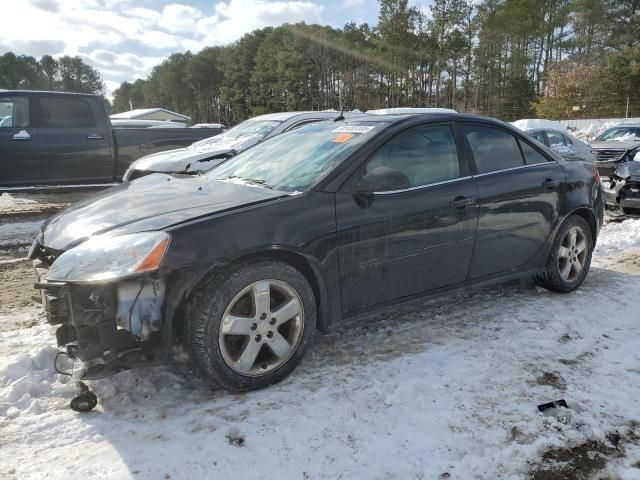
x=618, y=237
x=7, y=200
x=19, y=233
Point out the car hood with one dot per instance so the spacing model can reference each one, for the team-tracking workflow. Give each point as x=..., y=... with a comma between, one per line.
x=150, y=203
x=614, y=145
x=195, y=157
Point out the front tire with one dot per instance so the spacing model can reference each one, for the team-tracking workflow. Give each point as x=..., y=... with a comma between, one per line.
x=570, y=257
x=250, y=328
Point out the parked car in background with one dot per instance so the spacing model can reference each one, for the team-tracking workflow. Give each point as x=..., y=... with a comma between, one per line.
x=208, y=153
x=208, y=125
x=126, y=123
x=56, y=139
x=622, y=192
x=319, y=224
x=556, y=136
x=409, y=110
x=613, y=145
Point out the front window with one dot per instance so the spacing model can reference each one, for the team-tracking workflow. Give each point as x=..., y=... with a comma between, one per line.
x=14, y=112
x=295, y=160
x=620, y=133
x=422, y=155
x=248, y=128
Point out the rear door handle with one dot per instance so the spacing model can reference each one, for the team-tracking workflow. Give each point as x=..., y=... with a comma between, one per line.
x=550, y=184
x=21, y=135
x=94, y=136
x=463, y=202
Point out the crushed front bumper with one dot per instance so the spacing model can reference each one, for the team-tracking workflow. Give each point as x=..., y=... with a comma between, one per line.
x=108, y=327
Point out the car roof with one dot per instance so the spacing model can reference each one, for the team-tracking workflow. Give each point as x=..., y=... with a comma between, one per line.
x=44, y=92
x=434, y=116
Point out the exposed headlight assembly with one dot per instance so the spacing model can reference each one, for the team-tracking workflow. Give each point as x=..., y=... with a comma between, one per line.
x=107, y=258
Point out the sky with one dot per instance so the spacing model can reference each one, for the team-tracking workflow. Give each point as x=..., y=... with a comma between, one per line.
x=124, y=39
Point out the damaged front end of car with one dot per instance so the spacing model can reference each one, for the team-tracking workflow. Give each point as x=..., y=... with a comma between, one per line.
x=622, y=194
x=107, y=299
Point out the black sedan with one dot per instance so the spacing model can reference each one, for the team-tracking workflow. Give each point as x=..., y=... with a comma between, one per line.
x=323, y=223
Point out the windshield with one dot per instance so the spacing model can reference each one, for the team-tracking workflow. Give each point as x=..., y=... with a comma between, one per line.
x=258, y=128
x=296, y=160
x=630, y=133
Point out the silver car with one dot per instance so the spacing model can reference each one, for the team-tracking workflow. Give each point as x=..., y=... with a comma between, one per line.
x=564, y=144
x=210, y=152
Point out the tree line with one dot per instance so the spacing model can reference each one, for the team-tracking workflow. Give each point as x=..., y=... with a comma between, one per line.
x=504, y=58
x=69, y=74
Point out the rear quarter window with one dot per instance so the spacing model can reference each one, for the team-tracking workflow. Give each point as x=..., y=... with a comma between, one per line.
x=531, y=155
x=65, y=112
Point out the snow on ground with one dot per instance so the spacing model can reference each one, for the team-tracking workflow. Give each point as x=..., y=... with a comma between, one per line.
x=618, y=237
x=9, y=201
x=18, y=233
x=441, y=387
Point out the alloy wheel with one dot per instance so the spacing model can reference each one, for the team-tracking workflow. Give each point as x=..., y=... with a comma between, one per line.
x=572, y=254
x=261, y=327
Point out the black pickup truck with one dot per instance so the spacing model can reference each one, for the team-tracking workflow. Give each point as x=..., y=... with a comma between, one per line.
x=52, y=139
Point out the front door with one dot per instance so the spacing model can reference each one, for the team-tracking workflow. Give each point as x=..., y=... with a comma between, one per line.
x=18, y=140
x=519, y=193
x=415, y=236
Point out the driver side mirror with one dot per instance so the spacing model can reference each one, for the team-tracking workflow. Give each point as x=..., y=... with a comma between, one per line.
x=381, y=179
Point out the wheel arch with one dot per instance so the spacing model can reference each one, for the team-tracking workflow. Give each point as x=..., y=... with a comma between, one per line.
x=309, y=268
x=587, y=214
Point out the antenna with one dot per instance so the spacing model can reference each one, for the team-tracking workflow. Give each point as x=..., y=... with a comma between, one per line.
x=341, y=116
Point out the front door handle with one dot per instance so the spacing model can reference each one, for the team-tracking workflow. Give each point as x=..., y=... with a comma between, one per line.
x=94, y=136
x=463, y=202
x=550, y=184
x=21, y=135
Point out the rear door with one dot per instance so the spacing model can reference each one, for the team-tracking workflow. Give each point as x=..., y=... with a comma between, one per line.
x=519, y=193
x=18, y=141
x=75, y=140
x=404, y=242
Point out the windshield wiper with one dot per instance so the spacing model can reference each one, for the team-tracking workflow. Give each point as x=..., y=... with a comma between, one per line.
x=255, y=181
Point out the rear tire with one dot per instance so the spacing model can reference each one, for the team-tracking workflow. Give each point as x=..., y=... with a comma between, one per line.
x=250, y=328
x=570, y=257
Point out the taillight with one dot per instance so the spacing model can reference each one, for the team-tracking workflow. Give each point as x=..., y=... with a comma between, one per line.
x=597, y=176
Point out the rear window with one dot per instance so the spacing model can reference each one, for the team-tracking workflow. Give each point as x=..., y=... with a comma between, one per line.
x=65, y=112
x=492, y=149
x=556, y=139
x=14, y=112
